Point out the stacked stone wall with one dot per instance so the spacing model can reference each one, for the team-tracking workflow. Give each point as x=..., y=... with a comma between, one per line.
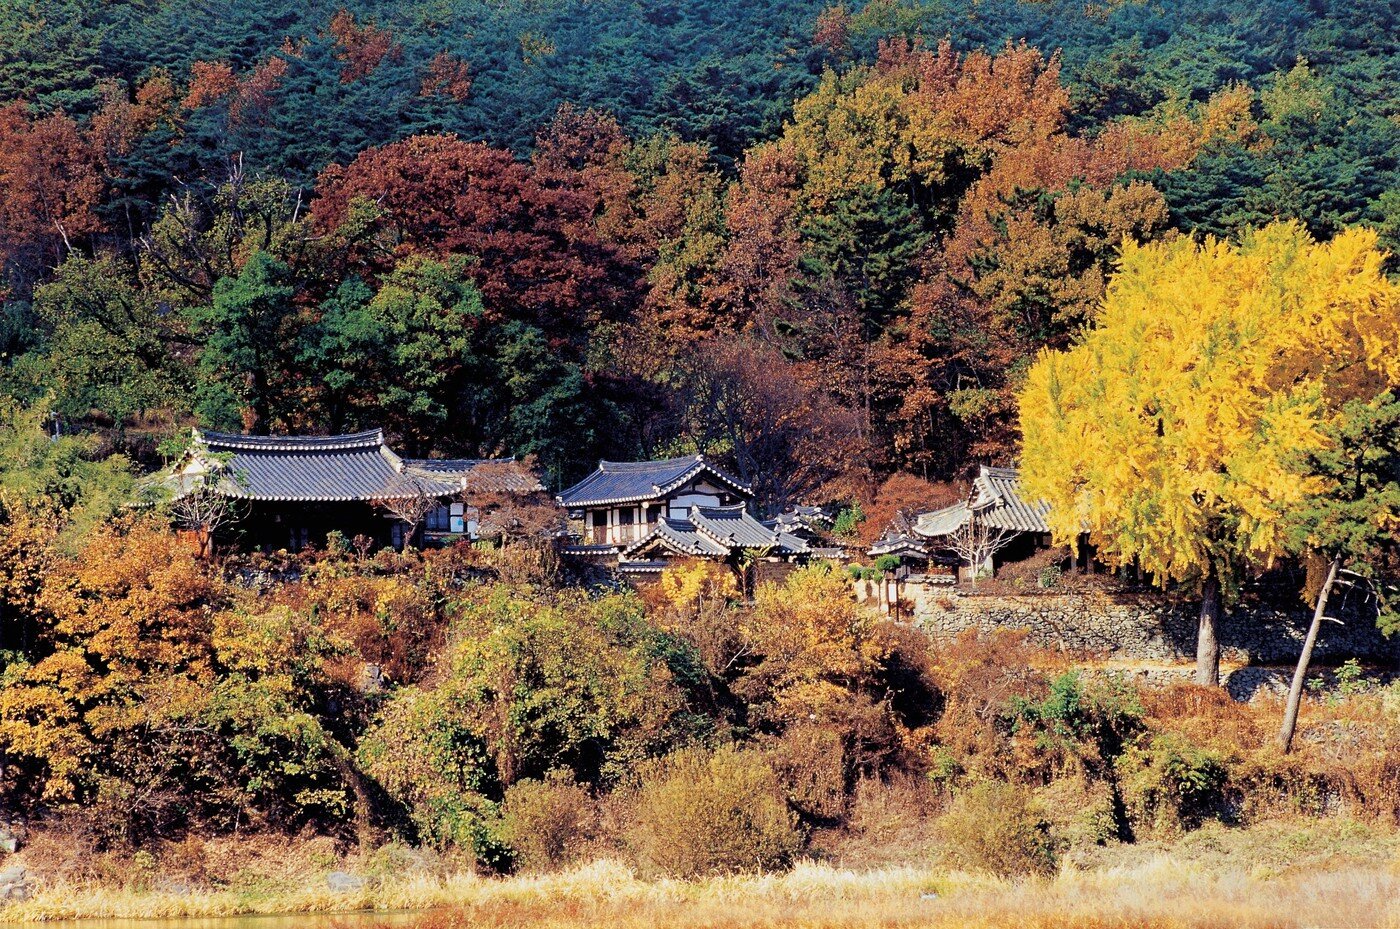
x=1135, y=626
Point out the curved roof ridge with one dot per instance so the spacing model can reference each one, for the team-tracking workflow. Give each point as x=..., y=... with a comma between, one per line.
x=653, y=465
x=738, y=529
x=615, y=482
x=369, y=438
x=678, y=533
x=454, y=464
x=721, y=508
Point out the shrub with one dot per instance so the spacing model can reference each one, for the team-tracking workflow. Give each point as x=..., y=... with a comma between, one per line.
x=427, y=757
x=527, y=686
x=887, y=563
x=1079, y=812
x=848, y=521
x=810, y=761
x=978, y=675
x=1351, y=678
x=699, y=813
x=1170, y=784
x=1078, y=723
x=994, y=827
x=548, y=823
x=688, y=584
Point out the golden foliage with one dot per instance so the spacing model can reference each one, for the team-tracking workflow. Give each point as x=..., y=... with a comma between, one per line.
x=1173, y=430
x=817, y=644
x=698, y=813
x=688, y=582
x=129, y=622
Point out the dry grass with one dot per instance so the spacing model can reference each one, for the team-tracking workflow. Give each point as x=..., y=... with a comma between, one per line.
x=1281, y=877
x=1162, y=893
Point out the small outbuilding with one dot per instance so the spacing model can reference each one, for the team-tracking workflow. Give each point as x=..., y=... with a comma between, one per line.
x=992, y=525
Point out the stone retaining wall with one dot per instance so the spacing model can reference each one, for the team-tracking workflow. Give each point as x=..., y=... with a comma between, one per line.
x=1135, y=627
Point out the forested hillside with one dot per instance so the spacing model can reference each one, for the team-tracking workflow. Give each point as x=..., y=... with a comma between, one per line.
x=817, y=240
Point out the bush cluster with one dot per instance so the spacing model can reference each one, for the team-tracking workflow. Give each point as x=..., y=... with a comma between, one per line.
x=697, y=813
x=995, y=826
x=451, y=702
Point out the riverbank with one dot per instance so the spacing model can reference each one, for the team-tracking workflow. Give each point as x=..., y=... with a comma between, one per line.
x=1335, y=872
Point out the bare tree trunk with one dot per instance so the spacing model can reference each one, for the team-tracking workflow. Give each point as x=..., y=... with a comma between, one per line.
x=366, y=833
x=1300, y=673
x=1208, y=633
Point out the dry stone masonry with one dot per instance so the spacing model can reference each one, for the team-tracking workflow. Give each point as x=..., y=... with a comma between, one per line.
x=1135, y=627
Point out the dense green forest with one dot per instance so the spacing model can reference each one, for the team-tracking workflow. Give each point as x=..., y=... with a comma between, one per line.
x=819, y=241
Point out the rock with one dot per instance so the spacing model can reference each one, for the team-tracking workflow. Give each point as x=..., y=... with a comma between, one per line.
x=371, y=679
x=175, y=886
x=342, y=882
x=12, y=838
x=15, y=885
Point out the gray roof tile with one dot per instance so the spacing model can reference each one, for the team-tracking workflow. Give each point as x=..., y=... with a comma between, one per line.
x=996, y=499
x=732, y=526
x=716, y=532
x=676, y=534
x=357, y=467
x=632, y=481
x=480, y=475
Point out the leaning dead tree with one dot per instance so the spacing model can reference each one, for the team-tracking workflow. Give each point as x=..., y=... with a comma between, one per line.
x=977, y=543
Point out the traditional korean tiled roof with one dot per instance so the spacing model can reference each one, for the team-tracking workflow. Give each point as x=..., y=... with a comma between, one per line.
x=635, y=481
x=802, y=520
x=999, y=502
x=678, y=535
x=943, y=522
x=646, y=566
x=309, y=468
x=499, y=475
x=898, y=544
x=732, y=526
x=716, y=532
x=789, y=544
x=995, y=498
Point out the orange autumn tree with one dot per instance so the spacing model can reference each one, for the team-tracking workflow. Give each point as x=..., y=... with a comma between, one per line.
x=1028, y=258
x=1172, y=431
x=447, y=76
x=818, y=678
x=157, y=698
x=362, y=47
x=923, y=225
x=537, y=256
x=127, y=623
x=50, y=185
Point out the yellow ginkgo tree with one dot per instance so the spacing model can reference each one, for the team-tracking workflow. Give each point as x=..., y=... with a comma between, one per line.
x=1172, y=430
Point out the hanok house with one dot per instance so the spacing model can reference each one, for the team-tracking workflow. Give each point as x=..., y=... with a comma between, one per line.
x=717, y=533
x=813, y=525
x=911, y=550
x=639, y=515
x=291, y=491
x=991, y=526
